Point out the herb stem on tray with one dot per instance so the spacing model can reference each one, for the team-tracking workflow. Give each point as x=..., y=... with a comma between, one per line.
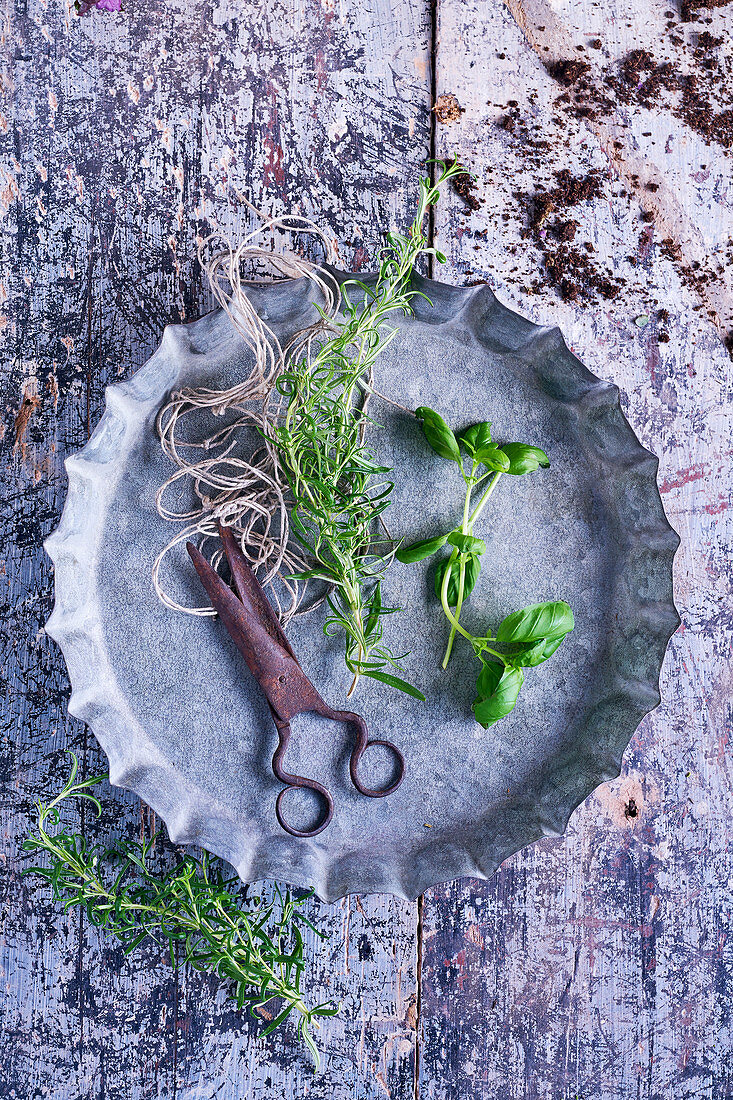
x=309, y=503
x=339, y=491
x=466, y=529
x=256, y=945
x=524, y=638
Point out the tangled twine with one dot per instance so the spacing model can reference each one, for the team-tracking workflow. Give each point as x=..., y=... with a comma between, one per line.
x=249, y=495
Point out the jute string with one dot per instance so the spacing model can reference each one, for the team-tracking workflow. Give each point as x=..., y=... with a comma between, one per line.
x=249, y=494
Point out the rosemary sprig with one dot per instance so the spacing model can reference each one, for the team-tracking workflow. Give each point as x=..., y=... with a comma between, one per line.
x=339, y=491
x=255, y=944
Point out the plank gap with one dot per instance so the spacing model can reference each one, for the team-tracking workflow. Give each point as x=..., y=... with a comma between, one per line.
x=433, y=125
x=418, y=996
x=433, y=7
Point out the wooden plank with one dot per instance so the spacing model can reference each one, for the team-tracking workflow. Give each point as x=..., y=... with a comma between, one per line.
x=599, y=965
x=591, y=965
x=127, y=137
x=69, y=993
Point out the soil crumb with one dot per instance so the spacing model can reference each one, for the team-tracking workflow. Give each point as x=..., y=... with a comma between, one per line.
x=447, y=108
x=569, y=71
x=465, y=186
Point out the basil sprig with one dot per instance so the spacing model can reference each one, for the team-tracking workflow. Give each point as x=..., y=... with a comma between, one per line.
x=525, y=638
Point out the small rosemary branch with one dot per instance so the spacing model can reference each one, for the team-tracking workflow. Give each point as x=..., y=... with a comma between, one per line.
x=256, y=945
x=339, y=491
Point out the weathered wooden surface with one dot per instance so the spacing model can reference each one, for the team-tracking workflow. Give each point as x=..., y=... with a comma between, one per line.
x=595, y=966
x=127, y=136
x=599, y=965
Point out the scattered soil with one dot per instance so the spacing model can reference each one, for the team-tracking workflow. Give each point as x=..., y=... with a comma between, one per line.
x=577, y=278
x=565, y=231
x=690, y=8
x=447, y=108
x=706, y=42
x=465, y=186
x=690, y=77
x=699, y=114
x=639, y=79
x=696, y=85
x=645, y=81
x=569, y=71
x=569, y=266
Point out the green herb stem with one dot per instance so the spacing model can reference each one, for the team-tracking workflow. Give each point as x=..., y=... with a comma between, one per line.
x=449, y=614
x=339, y=492
x=482, y=502
x=257, y=946
x=466, y=529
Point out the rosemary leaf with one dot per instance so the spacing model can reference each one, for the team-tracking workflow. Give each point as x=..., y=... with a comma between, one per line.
x=339, y=492
x=218, y=928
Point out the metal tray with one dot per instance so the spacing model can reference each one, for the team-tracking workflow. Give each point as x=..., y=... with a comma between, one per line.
x=184, y=725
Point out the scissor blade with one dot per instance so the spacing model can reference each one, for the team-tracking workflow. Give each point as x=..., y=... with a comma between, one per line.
x=249, y=588
x=286, y=686
x=244, y=624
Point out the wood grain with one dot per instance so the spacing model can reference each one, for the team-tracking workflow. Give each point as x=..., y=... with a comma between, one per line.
x=597, y=965
x=127, y=137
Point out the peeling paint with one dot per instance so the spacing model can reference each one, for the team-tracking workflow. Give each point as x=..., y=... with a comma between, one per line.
x=594, y=965
x=29, y=405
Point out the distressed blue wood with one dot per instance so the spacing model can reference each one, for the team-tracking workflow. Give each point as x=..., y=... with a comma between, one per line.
x=127, y=136
x=594, y=966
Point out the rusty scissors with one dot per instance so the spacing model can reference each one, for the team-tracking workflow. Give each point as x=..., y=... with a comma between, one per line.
x=257, y=633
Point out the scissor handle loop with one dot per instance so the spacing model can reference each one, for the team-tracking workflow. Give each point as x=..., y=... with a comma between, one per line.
x=293, y=782
x=311, y=785
x=362, y=744
x=376, y=792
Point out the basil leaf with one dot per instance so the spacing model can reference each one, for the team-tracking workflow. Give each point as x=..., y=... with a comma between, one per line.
x=471, y=575
x=467, y=543
x=539, y=620
x=419, y=550
x=476, y=437
x=494, y=458
x=526, y=656
x=524, y=459
x=533, y=654
x=488, y=678
x=551, y=644
x=491, y=708
x=438, y=434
